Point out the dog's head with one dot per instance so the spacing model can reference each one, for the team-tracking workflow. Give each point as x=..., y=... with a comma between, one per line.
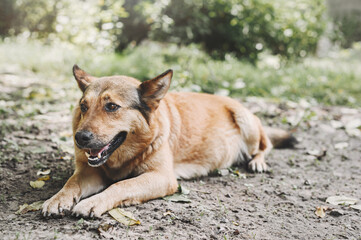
x=114, y=112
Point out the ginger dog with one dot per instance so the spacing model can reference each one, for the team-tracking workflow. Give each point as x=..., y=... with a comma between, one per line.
x=133, y=140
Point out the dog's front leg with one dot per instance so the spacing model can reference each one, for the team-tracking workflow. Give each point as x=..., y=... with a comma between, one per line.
x=84, y=182
x=156, y=182
x=149, y=185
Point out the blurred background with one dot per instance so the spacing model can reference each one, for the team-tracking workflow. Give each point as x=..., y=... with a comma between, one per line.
x=302, y=50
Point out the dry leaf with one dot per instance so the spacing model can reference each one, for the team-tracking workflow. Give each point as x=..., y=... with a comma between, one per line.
x=177, y=197
x=37, y=184
x=106, y=231
x=123, y=217
x=45, y=172
x=358, y=207
x=180, y=196
x=35, y=206
x=341, y=200
x=321, y=211
x=44, y=178
x=167, y=213
x=240, y=175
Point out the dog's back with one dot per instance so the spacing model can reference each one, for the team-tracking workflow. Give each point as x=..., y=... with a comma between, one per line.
x=209, y=132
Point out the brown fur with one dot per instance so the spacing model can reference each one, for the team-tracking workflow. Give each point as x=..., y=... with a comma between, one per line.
x=169, y=135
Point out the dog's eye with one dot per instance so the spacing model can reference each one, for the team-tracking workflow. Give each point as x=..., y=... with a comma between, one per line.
x=111, y=107
x=83, y=107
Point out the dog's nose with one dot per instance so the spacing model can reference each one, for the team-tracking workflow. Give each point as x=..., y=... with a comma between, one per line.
x=83, y=137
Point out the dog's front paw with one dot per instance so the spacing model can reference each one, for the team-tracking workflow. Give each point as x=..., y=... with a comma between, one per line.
x=257, y=165
x=90, y=207
x=58, y=204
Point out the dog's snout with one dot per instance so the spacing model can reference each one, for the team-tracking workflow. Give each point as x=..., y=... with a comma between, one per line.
x=83, y=137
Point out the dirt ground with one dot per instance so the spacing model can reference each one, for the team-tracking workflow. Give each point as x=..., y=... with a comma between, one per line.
x=35, y=134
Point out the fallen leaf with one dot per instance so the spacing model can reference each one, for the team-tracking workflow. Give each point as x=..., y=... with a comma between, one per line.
x=167, y=213
x=66, y=157
x=240, y=175
x=106, y=231
x=341, y=200
x=37, y=184
x=249, y=185
x=321, y=211
x=45, y=172
x=123, y=217
x=35, y=206
x=44, y=178
x=177, y=197
x=358, y=207
x=183, y=190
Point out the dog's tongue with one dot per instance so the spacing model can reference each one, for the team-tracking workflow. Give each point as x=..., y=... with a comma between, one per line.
x=96, y=152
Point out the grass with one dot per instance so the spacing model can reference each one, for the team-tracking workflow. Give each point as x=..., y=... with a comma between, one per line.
x=329, y=81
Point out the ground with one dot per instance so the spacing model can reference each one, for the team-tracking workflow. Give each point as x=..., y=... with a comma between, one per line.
x=228, y=204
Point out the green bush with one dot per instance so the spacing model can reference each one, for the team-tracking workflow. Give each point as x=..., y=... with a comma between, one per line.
x=243, y=28
x=348, y=27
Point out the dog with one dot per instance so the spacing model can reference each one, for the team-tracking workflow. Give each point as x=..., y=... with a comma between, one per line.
x=133, y=140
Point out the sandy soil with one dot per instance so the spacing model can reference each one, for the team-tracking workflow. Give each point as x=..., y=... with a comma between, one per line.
x=278, y=205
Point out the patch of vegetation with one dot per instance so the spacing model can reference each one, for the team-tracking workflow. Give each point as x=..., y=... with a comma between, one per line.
x=329, y=81
x=244, y=28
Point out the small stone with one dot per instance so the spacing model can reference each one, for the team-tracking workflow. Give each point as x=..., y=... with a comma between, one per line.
x=224, y=220
x=223, y=172
x=337, y=213
x=221, y=229
x=11, y=217
x=341, y=145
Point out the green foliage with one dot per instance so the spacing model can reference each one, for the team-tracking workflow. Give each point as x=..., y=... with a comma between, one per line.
x=7, y=13
x=330, y=81
x=346, y=21
x=36, y=17
x=295, y=33
x=221, y=26
x=242, y=28
x=348, y=26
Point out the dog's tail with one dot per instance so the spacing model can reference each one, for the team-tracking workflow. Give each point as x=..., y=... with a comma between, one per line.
x=280, y=138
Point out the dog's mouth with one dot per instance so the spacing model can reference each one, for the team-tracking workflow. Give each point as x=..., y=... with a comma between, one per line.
x=97, y=157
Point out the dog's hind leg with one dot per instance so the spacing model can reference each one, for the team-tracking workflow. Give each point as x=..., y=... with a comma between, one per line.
x=254, y=137
x=264, y=147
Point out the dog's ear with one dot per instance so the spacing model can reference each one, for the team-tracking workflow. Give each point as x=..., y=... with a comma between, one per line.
x=152, y=91
x=83, y=79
